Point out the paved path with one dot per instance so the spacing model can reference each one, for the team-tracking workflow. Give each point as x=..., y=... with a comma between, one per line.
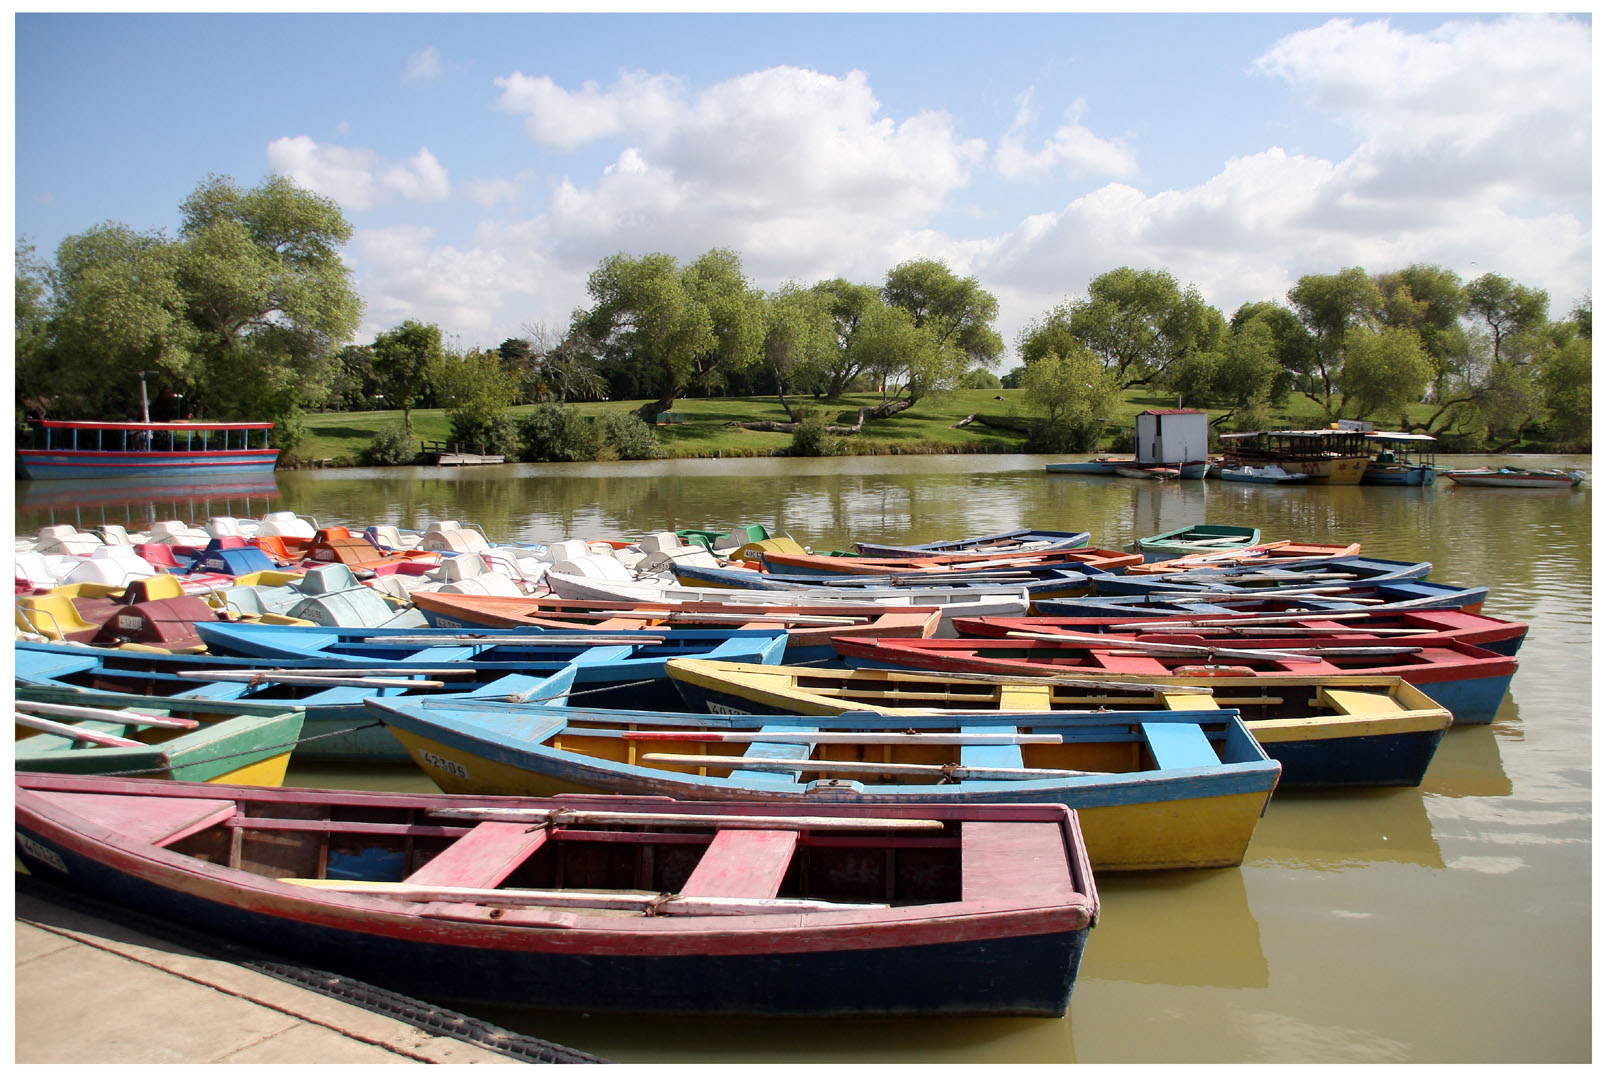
x=91, y=991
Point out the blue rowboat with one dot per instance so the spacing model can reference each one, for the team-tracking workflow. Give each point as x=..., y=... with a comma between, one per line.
x=1005, y=542
x=1158, y=789
x=1196, y=540
x=598, y=904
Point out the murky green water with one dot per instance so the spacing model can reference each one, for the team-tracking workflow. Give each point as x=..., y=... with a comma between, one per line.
x=1449, y=923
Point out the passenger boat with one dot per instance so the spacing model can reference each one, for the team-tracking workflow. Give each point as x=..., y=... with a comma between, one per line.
x=71, y=449
x=1159, y=789
x=809, y=629
x=598, y=904
x=1196, y=540
x=1324, y=730
x=160, y=737
x=996, y=543
x=1403, y=459
x=1325, y=455
x=1517, y=478
x=1413, y=626
x=1468, y=680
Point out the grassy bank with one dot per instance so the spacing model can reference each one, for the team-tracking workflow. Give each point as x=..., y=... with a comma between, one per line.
x=705, y=427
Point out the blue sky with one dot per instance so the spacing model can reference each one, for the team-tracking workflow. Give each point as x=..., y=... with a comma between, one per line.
x=488, y=162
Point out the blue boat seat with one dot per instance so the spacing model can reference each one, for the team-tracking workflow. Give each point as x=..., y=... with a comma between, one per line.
x=777, y=751
x=1000, y=756
x=1179, y=746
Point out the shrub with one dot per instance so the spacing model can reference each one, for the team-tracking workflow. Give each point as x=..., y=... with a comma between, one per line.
x=479, y=431
x=810, y=438
x=556, y=433
x=391, y=446
x=630, y=436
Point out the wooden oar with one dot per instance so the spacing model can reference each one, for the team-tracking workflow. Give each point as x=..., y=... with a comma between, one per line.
x=84, y=712
x=824, y=738
x=71, y=732
x=292, y=679
x=566, y=816
x=804, y=765
x=650, y=903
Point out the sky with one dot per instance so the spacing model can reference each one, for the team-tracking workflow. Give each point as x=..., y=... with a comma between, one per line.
x=489, y=162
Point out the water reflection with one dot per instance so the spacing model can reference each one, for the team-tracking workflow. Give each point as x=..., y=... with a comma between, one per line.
x=1343, y=830
x=1177, y=928
x=137, y=501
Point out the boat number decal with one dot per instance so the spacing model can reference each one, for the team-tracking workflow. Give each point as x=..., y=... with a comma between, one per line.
x=32, y=847
x=130, y=622
x=446, y=766
x=729, y=710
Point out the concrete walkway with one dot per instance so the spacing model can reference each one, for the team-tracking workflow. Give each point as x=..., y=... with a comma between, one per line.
x=93, y=992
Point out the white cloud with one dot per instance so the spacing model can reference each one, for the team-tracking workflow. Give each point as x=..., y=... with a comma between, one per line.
x=556, y=117
x=1073, y=150
x=404, y=273
x=358, y=179
x=423, y=66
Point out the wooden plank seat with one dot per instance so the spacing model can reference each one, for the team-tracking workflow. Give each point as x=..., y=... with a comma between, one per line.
x=1179, y=746
x=748, y=863
x=1002, y=858
x=988, y=756
x=483, y=857
x=773, y=751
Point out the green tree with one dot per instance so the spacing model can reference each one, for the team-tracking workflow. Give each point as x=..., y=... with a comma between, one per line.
x=404, y=357
x=1075, y=393
x=1429, y=301
x=1248, y=370
x=1566, y=392
x=32, y=312
x=1293, y=345
x=956, y=312
x=1385, y=371
x=1507, y=309
x=1330, y=305
x=476, y=392
x=846, y=303
x=119, y=309
x=267, y=294
x=800, y=340
x=1138, y=322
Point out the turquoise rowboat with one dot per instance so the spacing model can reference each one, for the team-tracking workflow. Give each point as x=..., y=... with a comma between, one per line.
x=1155, y=790
x=1196, y=540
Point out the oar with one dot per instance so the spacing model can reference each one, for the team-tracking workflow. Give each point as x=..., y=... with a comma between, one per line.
x=804, y=765
x=71, y=732
x=833, y=738
x=1139, y=648
x=84, y=712
x=566, y=816
x=290, y=679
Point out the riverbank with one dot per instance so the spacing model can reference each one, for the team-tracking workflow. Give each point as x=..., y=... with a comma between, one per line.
x=992, y=421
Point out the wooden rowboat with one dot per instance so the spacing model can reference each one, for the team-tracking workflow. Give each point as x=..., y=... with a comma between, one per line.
x=1468, y=681
x=1157, y=789
x=809, y=629
x=1557, y=479
x=165, y=738
x=1272, y=552
x=1196, y=540
x=598, y=904
x=833, y=566
x=1324, y=730
x=996, y=543
x=1411, y=626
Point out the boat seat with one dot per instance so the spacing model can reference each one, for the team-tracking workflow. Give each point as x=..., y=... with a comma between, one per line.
x=1003, y=858
x=777, y=751
x=1000, y=756
x=743, y=862
x=1179, y=746
x=1359, y=702
x=54, y=615
x=483, y=857
x=159, y=821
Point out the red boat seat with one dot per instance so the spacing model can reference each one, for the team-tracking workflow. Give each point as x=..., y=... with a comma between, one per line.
x=743, y=862
x=482, y=857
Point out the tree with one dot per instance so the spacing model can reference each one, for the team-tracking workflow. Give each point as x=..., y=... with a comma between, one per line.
x=957, y=312
x=1330, y=305
x=1293, y=345
x=32, y=312
x=1566, y=392
x=1429, y=301
x=800, y=340
x=267, y=294
x=404, y=357
x=1385, y=371
x=1138, y=322
x=476, y=392
x=1507, y=309
x=684, y=324
x=119, y=310
x=846, y=303
x=1075, y=393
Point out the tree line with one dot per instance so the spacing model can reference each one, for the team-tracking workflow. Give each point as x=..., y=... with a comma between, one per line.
x=248, y=313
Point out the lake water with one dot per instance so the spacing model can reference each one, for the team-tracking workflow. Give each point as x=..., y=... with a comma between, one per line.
x=1447, y=923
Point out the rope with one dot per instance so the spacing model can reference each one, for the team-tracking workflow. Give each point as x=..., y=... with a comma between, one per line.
x=255, y=750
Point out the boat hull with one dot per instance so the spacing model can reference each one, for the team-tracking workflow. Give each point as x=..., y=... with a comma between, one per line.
x=101, y=464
